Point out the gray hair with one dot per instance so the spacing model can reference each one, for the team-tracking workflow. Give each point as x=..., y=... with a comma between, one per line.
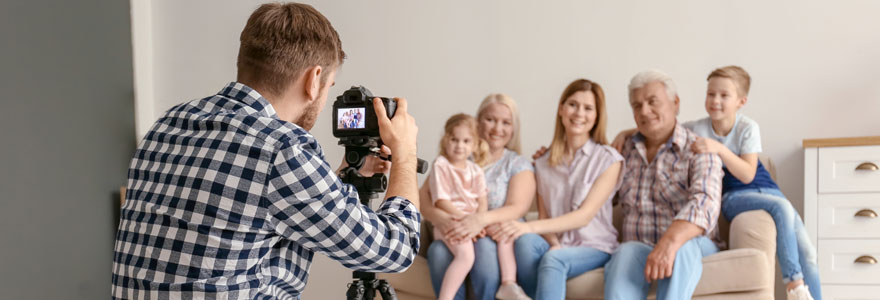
x=653, y=75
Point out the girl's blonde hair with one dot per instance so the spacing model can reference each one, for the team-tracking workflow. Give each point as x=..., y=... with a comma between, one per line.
x=597, y=133
x=514, y=143
x=481, y=148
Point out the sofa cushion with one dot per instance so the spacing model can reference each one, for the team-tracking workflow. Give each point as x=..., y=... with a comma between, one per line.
x=735, y=270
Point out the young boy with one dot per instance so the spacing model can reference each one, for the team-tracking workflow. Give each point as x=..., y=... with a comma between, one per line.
x=747, y=184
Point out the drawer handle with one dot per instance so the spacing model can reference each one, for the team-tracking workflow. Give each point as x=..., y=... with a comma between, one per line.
x=865, y=259
x=866, y=213
x=867, y=166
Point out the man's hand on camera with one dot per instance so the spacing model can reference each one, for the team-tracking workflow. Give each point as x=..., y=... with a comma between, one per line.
x=400, y=133
x=373, y=164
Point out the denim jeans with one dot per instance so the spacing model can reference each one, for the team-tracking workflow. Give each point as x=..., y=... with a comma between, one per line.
x=485, y=276
x=625, y=272
x=542, y=274
x=797, y=257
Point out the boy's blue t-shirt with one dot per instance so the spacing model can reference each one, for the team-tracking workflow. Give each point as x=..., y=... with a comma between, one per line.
x=744, y=138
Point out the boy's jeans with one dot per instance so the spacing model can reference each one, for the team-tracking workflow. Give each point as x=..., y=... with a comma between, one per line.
x=797, y=257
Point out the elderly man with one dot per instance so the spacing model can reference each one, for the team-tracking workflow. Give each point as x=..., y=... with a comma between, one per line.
x=671, y=198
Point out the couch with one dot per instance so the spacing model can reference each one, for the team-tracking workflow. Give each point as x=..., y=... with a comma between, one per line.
x=744, y=271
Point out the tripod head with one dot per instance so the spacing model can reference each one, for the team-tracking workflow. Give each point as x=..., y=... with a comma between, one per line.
x=357, y=149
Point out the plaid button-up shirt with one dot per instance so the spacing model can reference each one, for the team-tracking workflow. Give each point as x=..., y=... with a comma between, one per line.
x=224, y=200
x=676, y=185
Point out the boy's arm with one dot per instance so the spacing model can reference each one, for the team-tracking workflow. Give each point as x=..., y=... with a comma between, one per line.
x=743, y=167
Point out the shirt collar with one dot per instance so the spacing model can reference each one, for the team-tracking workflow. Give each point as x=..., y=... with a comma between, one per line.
x=587, y=148
x=678, y=140
x=250, y=97
x=679, y=137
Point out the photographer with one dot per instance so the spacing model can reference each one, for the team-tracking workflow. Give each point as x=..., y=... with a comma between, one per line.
x=230, y=196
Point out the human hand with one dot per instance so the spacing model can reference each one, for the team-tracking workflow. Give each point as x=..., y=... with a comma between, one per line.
x=539, y=153
x=479, y=235
x=660, y=261
x=373, y=164
x=704, y=145
x=620, y=139
x=468, y=227
x=445, y=222
x=510, y=230
x=399, y=132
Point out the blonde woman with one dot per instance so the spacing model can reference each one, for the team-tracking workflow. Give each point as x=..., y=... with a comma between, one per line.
x=511, y=187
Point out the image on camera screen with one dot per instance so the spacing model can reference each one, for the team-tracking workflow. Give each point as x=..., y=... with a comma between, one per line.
x=351, y=118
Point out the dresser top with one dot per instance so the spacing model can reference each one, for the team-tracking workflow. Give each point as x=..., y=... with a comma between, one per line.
x=842, y=142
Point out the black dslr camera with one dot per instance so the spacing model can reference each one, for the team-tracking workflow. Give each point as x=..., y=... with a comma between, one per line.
x=356, y=125
x=354, y=117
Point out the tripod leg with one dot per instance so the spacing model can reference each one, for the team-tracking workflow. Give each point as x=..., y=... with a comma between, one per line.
x=356, y=290
x=386, y=290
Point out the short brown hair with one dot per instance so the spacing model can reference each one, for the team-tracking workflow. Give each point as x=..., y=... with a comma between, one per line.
x=740, y=78
x=597, y=133
x=280, y=41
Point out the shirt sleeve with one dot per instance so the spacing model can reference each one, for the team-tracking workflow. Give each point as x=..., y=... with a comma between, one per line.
x=751, y=139
x=309, y=205
x=704, y=192
x=520, y=164
x=613, y=158
x=439, y=181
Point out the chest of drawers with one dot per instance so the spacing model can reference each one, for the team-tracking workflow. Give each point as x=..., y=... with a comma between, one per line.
x=842, y=214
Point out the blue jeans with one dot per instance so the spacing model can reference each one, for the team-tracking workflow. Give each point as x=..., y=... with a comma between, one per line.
x=797, y=257
x=625, y=272
x=485, y=276
x=542, y=274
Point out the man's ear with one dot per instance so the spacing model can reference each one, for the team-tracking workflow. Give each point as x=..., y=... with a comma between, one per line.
x=677, y=107
x=312, y=82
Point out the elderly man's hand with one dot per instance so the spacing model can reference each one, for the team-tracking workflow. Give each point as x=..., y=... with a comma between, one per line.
x=660, y=261
x=621, y=137
x=539, y=153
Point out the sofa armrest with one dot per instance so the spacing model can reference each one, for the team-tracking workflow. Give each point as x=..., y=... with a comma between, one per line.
x=754, y=229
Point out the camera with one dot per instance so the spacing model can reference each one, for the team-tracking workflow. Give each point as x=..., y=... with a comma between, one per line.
x=354, y=117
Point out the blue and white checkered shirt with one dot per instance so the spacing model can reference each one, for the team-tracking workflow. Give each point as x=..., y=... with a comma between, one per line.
x=226, y=201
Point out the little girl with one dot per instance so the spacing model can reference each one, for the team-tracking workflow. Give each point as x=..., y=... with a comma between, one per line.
x=458, y=187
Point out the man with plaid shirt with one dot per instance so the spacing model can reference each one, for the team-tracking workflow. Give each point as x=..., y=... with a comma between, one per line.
x=671, y=199
x=229, y=196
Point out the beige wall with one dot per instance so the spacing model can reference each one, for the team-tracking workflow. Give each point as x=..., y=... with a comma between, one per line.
x=814, y=64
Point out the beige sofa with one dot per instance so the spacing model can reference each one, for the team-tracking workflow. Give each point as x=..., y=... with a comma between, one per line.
x=745, y=271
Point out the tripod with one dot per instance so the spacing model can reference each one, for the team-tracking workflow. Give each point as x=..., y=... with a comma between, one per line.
x=365, y=284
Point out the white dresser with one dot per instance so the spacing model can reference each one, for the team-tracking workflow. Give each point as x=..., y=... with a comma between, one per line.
x=842, y=214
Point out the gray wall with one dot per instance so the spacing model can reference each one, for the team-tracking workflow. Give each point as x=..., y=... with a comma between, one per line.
x=66, y=137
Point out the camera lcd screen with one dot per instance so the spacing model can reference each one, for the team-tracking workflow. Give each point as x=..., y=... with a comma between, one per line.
x=351, y=118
